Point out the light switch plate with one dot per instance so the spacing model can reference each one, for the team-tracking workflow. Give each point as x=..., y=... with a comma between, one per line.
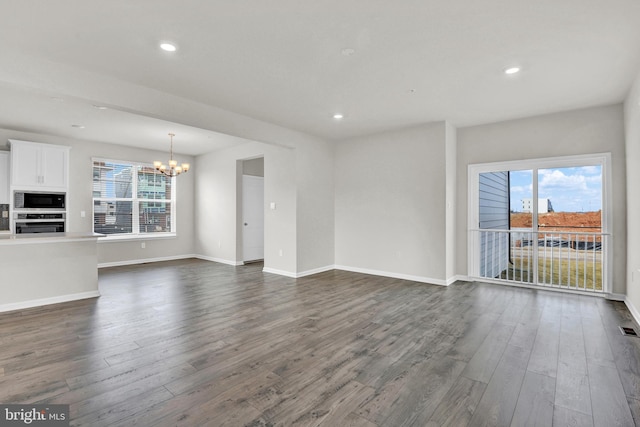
x=272, y=205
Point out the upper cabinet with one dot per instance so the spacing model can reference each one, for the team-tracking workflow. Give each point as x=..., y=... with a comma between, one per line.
x=4, y=177
x=36, y=166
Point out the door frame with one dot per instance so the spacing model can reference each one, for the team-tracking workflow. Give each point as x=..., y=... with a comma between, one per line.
x=473, y=212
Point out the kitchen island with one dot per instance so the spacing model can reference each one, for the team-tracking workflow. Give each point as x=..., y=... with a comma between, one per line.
x=42, y=269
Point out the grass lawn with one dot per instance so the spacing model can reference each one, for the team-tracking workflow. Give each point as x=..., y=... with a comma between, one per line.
x=558, y=274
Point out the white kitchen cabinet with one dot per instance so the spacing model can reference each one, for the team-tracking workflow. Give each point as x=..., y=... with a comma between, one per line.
x=4, y=177
x=36, y=166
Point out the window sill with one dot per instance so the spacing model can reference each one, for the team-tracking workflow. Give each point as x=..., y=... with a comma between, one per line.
x=112, y=238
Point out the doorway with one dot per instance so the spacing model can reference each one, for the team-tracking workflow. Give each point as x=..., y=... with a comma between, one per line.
x=253, y=210
x=542, y=223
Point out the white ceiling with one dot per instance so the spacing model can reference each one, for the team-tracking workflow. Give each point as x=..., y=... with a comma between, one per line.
x=282, y=62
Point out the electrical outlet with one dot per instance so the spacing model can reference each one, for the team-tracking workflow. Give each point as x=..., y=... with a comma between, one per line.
x=280, y=252
x=143, y=245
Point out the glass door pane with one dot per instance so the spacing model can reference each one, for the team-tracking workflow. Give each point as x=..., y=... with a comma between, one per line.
x=521, y=226
x=493, y=206
x=570, y=227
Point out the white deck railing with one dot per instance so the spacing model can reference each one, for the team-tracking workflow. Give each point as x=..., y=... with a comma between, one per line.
x=568, y=260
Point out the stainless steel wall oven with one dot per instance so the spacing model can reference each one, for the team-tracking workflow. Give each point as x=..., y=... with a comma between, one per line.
x=39, y=222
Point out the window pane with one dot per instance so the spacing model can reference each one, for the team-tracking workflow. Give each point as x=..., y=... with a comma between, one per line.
x=155, y=217
x=112, y=217
x=112, y=180
x=153, y=185
x=521, y=194
x=572, y=190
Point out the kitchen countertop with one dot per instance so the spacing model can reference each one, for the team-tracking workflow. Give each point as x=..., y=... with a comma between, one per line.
x=30, y=238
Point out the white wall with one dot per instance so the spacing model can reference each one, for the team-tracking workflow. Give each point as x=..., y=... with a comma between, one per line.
x=253, y=167
x=80, y=197
x=315, y=213
x=451, y=152
x=298, y=179
x=390, y=198
x=632, y=131
x=587, y=131
x=218, y=217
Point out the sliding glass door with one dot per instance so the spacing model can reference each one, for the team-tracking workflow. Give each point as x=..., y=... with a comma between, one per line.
x=540, y=222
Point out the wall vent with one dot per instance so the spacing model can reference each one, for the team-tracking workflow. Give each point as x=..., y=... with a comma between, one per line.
x=628, y=331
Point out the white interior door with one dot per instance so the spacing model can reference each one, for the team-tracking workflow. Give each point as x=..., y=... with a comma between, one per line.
x=252, y=218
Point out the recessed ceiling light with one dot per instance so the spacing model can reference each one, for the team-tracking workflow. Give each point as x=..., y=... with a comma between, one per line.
x=512, y=70
x=338, y=116
x=77, y=126
x=169, y=47
x=99, y=107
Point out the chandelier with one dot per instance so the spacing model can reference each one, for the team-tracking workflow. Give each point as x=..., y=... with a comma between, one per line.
x=173, y=169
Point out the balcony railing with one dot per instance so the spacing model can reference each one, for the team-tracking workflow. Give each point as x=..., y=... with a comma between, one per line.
x=556, y=259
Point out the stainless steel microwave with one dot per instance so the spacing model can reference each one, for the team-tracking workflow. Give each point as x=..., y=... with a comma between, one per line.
x=37, y=200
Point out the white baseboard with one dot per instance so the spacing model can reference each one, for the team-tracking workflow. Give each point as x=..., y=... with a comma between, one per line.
x=144, y=261
x=47, y=301
x=220, y=260
x=293, y=275
x=280, y=272
x=315, y=271
x=361, y=270
x=412, y=278
x=458, y=277
x=615, y=297
x=633, y=310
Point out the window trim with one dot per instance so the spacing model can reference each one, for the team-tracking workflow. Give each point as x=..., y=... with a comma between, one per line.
x=135, y=208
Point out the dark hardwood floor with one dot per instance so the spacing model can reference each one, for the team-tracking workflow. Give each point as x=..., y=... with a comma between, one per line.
x=196, y=343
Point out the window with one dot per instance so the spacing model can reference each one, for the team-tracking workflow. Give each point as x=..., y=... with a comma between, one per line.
x=132, y=199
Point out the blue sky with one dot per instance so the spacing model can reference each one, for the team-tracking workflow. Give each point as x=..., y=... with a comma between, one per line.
x=569, y=189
